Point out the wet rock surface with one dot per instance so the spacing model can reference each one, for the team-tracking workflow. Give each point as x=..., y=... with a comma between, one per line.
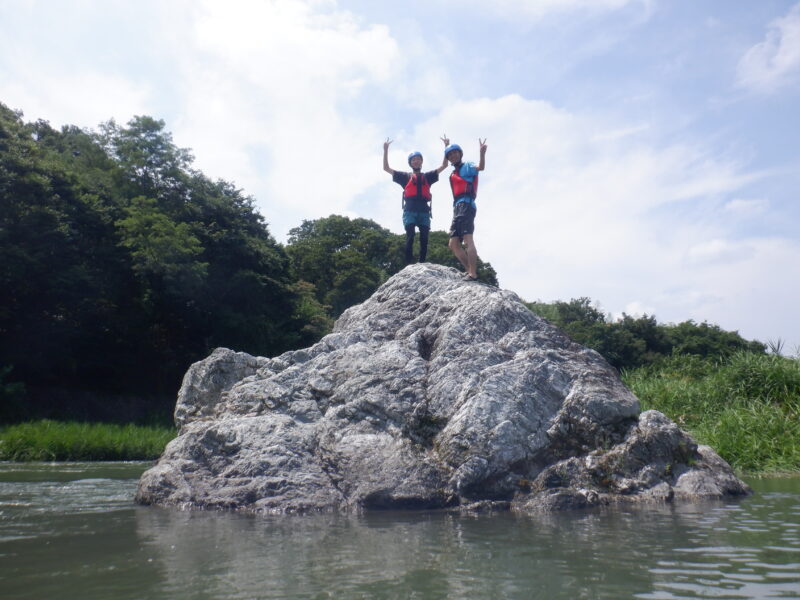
x=433, y=393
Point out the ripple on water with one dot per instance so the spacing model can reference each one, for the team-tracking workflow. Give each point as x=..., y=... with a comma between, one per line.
x=757, y=560
x=37, y=499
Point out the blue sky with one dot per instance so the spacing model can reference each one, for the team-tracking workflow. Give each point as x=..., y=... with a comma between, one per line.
x=641, y=152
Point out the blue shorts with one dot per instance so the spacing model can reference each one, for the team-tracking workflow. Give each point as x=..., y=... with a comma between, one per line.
x=463, y=220
x=421, y=219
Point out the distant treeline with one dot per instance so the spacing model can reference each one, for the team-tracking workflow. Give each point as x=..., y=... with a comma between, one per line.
x=630, y=342
x=121, y=264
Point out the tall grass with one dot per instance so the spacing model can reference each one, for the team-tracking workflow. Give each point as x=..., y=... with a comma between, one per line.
x=746, y=406
x=57, y=441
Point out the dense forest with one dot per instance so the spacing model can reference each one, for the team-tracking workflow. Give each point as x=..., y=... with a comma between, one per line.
x=121, y=265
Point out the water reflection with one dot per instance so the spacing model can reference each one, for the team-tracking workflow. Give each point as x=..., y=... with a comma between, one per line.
x=745, y=550
x=74, y=533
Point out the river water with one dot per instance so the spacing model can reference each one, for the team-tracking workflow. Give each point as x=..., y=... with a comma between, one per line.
x=72, y=531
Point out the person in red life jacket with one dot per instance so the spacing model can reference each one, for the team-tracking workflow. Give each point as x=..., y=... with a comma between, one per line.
x=417, y=200
x=464, y=183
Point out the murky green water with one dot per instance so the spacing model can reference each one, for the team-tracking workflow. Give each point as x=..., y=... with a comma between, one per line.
x=71, y=531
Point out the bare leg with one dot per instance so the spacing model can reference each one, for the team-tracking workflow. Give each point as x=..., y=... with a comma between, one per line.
x=458, y=251
x=472, y=255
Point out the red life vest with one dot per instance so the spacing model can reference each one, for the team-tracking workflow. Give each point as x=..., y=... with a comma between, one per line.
x=462, y=188
x=417, y=193
x=413, y=188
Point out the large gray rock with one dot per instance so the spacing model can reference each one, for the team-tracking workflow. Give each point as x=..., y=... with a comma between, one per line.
x=433, y=393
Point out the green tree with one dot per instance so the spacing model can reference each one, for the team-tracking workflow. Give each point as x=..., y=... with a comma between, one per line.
x=354, y=281
x=345, y=259
x=147, y=156
x=161, y=250
x=630, y=342
x=312, y=318
x=704, y=339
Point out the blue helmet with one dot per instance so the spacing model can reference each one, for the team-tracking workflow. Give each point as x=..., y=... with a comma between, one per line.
x=412, y=155
x=452, y=147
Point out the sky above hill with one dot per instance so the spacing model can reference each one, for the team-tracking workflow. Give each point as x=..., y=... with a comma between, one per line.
x=643, y=153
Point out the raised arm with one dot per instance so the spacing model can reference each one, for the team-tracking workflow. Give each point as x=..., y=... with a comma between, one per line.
x=482, y=162
x=446, y=141
x=386, y=166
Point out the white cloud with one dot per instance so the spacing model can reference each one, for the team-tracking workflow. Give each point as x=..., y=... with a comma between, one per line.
x=270, y=91
x=775, y=62
x=747, y=207
x=638, y=309
x=43, y=71
x=540, y=9
x=77, y=97
x=718, y=251
x=756, y=295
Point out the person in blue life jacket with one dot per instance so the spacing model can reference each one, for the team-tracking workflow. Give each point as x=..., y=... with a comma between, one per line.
x=417, y=199
x=464, y=184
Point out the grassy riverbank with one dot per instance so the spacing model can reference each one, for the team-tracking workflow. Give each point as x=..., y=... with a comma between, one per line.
x=746, y=406
x=52, y=440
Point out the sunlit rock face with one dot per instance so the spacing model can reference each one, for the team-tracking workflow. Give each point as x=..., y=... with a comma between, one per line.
x=433, y=393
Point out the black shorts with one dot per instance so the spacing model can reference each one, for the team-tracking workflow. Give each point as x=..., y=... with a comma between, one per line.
x=463, y=220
